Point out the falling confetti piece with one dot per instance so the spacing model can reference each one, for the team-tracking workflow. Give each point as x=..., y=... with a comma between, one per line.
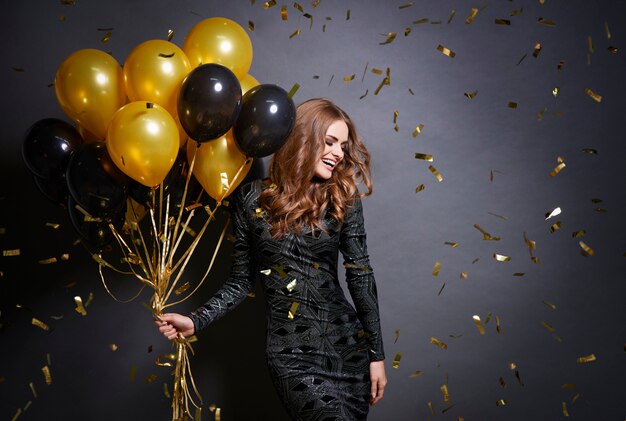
x=40, y=324
x=292, y=285
x=80, y=309
x=555, y=91
x=446, y=51
x=170, y=34
x=501, y=402
x=436, y=269
x=446, y=394
x=269, y=4
x=251, y=26
x=293, y=90
x=586, y=250
x=512, y=105
x=14, y=252
x=498, y=327
x=365, y=94
x=579, y=233
x=283, y=12
x=486, y=235
x=420, y=21
x=166, y=391
x=471, y=95
x=478, y=324
x=568, y=386
x=555, y=227
x=181, y=289
x=419, y=188
x=349, y=78
x=547, y=22
x=441, y=289
x=541, y=113
x=295, y=33
x=516, y=12
x=396, y=360
x=150, y=378
x=560, y=65
x=451, y=244
x=390, y=37
x=430, y=406
x=547, y=325
x=586, y=359
x=106, y=37
x=417, y=373
x=46, y=374
x=521, y=59
x=436, y=173
x=48, y=261
x=537, y=50
x=437, y=342
x=407, y=31
x=417, y=130
x=133, y=372
x=501, y=258
x=424, y=157
x=292, y=310
x=404, y=6
x=113, y=347
x=502, y=22
x=32, y=389
x=554, y=212
x=564, y=409
x=590, y=44
x=549, y=304
x=593, y=95
x=471, y=17
x=612, y=49
x=463, y=275
x=502, y=383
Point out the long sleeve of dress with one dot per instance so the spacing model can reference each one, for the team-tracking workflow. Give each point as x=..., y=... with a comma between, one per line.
x=360, y=278
x=241, y=279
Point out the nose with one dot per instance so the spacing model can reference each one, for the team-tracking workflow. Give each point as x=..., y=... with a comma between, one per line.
x=337, y=151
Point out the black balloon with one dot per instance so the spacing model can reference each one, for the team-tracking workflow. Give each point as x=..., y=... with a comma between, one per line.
x=54, y=189
x=173, y=185
x=48, y=145
x=96, y=233
x=208, y=102
x=266, y=119
x=94, y=181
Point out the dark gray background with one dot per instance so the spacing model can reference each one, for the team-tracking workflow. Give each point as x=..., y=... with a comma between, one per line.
x=407, y=231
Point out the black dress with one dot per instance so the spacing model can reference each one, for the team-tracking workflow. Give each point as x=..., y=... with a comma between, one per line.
x=318, y=347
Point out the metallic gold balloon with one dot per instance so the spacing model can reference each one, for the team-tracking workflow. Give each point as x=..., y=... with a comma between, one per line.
x=248, y=82
x=89, y=87
x=221, y=41
x=143, y=142
x=217, y=163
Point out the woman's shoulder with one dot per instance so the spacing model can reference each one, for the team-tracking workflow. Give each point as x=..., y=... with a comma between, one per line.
x=247, y=194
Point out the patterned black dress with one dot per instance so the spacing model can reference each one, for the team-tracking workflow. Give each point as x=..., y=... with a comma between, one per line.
x=318, y=347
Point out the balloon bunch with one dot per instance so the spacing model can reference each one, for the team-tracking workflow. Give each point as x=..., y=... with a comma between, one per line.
x=141, y=132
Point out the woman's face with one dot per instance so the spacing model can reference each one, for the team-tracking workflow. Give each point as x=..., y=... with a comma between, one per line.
x=334, y=145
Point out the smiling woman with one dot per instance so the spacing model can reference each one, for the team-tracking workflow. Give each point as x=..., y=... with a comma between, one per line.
x=325, y=356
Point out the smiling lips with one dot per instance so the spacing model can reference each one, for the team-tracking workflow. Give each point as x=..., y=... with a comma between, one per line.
x=329, y=163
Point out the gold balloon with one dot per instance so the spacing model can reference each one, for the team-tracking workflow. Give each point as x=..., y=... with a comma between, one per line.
x=248, y=82
x=143, y=142
x=89, y=86
x=217, y=163
x=87, y=136
x=221, y=41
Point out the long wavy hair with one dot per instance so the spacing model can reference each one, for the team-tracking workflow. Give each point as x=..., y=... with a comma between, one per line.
x=297, y=197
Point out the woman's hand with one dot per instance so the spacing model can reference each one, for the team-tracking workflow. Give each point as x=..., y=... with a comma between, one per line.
x=171, y=324
x=378, y=379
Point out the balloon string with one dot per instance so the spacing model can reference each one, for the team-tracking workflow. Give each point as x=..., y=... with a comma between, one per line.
x=106, y=287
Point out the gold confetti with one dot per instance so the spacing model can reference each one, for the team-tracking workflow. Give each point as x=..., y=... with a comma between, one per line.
x=502, y=383
x=501, y=258
x=48, y=261
x=14, y=252
x=348, y=14
x=463, y=275
x=297, y=6
x=68, y=2
x=590, y=44
x=501, y=402
x=417, y=130
x=181, y=289
x=564, y=409
x=436, y=269
x=470, y=95
x=444, y=391
x=498, y=328
x=568, y=386
x=65, y=256
x=586, y=250
x=166, y=391
x=53, y=225
x=586, y=359
x=292, y=285
x=555, y=227
x=150, y=378
x=424, y=157
x=315, y=3
x=512, y=104
x=446, y=51
x=106, y=37
x=419, y=188
x=396, y=360
x=575, y=398
x=560, y=65
x=549, y=304
x=133, y=372
x=486, y=235
x=516, y=12
x=170, y=34
x=471, y=17
x=593, y=95
x=293, y=91
x=417, y=373
x=46, y=374
x=251, y=26
x=556, y=211
x=452, y=14
x=537, y=49
x=612, y=50
x=295, y=33
x=579, y=233
x=113, y=347
x=80, y=309
x=407, y=31
x=547, y=326
x=420, y=21
x=390, y=37
x=377, y=71
x=283, y=12
x=555, y=91
x=404, y=6
x=397, y=335
x=269, y=4
x=32, y=389
x=541, y=113
x=436, y=173
x=502, y=21
x=430, y=406
x=547, y=22
x=478, y=324
x=40, y=324
x=451, y=244
x=349, y=78
x=293, y=309
x=437, y=342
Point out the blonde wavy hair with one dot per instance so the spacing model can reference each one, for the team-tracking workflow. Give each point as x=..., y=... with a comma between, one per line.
x=298, y=197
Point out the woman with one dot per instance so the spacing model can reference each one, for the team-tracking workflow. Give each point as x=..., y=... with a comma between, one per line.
x=325, y=358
